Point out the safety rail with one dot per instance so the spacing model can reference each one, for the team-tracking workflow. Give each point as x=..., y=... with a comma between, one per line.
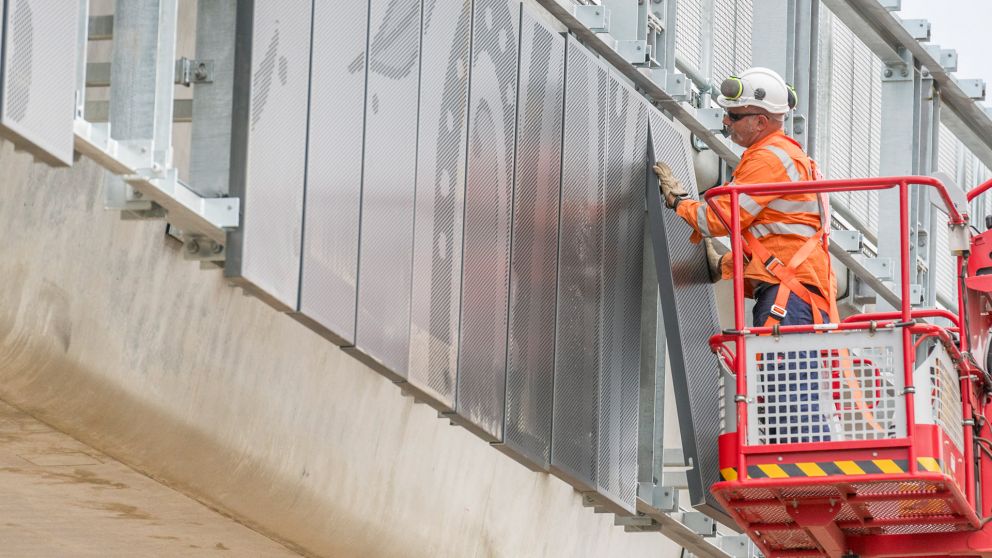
x=850, y=399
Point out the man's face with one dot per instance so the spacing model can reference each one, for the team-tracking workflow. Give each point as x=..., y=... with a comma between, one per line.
x=745, y=125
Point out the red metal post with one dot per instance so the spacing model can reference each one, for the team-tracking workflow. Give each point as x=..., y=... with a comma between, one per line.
x=908, y=355
x=737, y=251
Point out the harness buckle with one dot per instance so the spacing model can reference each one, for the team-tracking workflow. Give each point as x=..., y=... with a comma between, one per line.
x=778, y=312
x=771, y=263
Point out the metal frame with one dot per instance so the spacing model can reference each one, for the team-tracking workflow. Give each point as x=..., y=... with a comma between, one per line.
x=820, y=532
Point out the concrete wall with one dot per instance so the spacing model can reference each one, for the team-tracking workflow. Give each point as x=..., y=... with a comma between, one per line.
x=108, y=334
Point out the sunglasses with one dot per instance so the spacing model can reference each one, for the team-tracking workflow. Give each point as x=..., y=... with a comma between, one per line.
x=738, y=116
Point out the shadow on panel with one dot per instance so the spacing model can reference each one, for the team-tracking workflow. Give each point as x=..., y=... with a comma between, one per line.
x=534, y=250
x=481, y=382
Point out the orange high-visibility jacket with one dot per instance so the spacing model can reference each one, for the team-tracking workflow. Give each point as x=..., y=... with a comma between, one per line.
x=781, y=223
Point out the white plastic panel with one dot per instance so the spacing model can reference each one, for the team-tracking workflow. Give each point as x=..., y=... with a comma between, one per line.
x=39, y=76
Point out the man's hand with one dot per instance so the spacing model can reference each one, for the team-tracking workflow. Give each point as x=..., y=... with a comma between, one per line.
x=714, y=261
x=671, y=189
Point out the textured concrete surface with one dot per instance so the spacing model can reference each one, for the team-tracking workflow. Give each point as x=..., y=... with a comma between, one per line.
x=109, y=335
x=63, y=498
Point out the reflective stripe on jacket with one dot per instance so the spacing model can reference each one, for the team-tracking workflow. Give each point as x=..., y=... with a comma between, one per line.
x=781, y=223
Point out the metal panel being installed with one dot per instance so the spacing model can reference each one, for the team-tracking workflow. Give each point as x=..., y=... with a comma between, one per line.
x=690, y=318
x=437, y=239
x=271, y=151
x=577, y=344
x=334, y=169
x=383, y=329
x=481, y=381
x=39, y=76
x=534, y=260
x=619, y=381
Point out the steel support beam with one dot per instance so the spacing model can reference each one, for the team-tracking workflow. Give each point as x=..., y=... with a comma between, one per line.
x=885, y=34
x=900, y=146
x=210, y=139
x=561, y=10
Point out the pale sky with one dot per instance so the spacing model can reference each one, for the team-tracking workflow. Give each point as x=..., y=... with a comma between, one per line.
x=962, y=25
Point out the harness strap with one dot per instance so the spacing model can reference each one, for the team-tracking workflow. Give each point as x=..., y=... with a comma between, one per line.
x=786, y=274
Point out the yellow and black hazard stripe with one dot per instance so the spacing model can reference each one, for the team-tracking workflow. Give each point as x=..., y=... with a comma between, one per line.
x=833, y=468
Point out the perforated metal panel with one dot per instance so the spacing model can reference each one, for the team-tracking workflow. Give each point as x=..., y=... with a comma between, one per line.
x=731, y=41
x=481, y=381
x=578, y=350
x=688, y=28
x=383, y=328
x=690, y=318
x=534, y=260
x=623, y=237
x=437, y=249
x=334, y=168
x=937, y=379
x=39, y=76
x=265, y=251
x=597, y=346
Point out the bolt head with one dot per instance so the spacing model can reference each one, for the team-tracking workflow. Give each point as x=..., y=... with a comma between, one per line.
x=193, y=247
x=216, y=248
x=888, y=73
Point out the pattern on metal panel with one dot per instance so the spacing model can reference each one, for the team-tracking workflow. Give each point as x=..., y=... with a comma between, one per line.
x=385, y=255
x=623, y=238
x=488, y=203
x=690, y=319
x=273, y=199
x=437, y=248
x=39, y=74
x=578, y=338
x=534, y=259
x=334, y=168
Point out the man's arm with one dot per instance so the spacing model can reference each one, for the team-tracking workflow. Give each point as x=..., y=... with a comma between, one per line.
x=754, y=170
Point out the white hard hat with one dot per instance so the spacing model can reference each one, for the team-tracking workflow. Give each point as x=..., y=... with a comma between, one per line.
x=757, y=87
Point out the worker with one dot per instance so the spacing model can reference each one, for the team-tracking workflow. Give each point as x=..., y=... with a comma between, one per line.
x=788, y=273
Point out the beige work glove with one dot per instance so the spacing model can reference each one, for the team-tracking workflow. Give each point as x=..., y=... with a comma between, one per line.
x=714, y=260
x=672, y=191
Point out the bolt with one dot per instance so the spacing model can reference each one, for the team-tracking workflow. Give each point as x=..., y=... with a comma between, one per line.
x=193, y=247
x=216, y=248
x=904, y=72
x=201, y=72
x=888, y=72
x=136, y=194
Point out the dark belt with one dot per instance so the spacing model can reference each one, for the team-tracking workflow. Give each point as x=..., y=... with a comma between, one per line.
x=761, y=286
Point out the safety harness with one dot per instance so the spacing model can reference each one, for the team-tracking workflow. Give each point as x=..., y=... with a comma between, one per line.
x=788, y=283
x=786, y=273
